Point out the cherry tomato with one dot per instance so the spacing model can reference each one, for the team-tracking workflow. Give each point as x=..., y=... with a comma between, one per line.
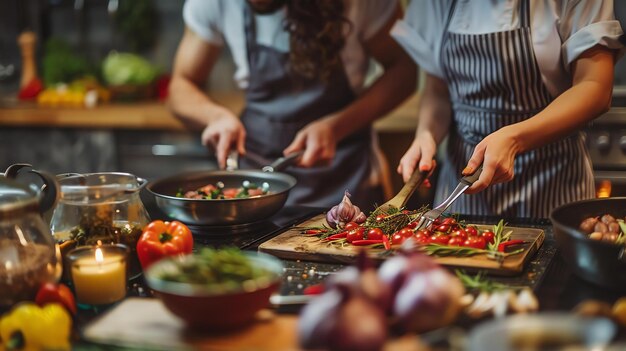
x=375, y=234
x=476, y=242
x=460, y=233
x=489, y=236
x=449, y=221
x=355, y=234
x=406, y=211
x=412, y=225
x=426, y=232
x=351, y=225
x=441, y=239
x=471, y=231
x=380, y=217
x=456, y=241
x=397, y=239
x=406, y=232
x=422, y=239
x=444, y=228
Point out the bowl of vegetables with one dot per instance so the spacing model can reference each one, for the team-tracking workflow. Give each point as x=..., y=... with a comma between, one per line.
x=590, y=235
x=216, y=289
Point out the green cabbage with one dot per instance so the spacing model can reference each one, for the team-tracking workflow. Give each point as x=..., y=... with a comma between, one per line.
x=127, y=68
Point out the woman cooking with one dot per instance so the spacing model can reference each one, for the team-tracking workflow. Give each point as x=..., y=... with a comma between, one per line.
x=510, y=82
x=303, y=65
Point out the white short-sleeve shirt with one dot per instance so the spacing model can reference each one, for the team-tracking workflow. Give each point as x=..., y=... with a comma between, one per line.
x=222, y=21
x=561, y=30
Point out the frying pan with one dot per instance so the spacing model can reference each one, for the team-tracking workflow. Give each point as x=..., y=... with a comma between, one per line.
x=592, y=260
x=224, y=212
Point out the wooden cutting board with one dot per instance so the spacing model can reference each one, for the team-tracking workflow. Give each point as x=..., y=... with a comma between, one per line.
x=293, y=245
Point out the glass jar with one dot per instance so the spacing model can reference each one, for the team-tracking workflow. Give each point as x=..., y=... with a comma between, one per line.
x=100, y=208
x=28, y=257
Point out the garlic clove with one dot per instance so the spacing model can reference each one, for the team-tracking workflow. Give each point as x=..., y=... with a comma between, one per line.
x=527, y=301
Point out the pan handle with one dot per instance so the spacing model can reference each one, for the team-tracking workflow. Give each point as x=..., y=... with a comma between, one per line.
x=232, y=161
x=283, y=162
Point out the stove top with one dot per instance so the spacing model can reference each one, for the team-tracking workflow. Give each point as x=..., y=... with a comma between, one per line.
x=606, y=140
x=249, y=236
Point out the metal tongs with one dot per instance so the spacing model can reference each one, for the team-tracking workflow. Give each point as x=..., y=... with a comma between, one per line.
x=429, y=217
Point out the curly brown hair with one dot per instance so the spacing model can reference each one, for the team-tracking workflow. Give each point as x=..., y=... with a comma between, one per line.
x=317, y=30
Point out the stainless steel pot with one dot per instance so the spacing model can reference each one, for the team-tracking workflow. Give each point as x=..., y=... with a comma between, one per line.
x=221, y=212
x=592, y=260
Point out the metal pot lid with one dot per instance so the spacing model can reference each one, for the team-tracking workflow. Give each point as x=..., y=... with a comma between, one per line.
x=14, y=196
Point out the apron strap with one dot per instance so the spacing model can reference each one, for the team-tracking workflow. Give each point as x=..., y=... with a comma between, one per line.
x=444, y=36
x=524, y=13
x=249, y=30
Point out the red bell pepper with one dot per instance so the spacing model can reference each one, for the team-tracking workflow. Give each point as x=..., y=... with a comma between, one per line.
x=161, y=239
x=56, y=293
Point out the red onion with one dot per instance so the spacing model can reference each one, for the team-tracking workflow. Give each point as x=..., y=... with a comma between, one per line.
x=425, y=296
x=363, y=279
x=342, y=319
x=345, y=212
x=428, y=300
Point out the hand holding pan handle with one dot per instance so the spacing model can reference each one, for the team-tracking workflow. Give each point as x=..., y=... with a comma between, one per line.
x=283, y=162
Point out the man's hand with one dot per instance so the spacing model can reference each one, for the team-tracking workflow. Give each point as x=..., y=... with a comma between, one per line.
x=318, y=141
x=224, y=132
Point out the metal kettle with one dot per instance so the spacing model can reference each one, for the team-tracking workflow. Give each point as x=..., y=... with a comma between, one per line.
x=28, y=255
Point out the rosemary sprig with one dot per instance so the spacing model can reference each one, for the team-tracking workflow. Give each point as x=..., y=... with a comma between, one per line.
x=499, y=236
x=445, y=250
x=394, y=219
x=479, y=282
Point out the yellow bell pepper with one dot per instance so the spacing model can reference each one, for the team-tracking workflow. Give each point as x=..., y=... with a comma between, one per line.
x=30, y=327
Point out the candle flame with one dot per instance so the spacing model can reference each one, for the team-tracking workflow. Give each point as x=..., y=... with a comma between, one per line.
x=99, y=255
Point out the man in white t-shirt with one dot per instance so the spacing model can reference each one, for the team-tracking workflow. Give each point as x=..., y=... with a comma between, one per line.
x=303, y=66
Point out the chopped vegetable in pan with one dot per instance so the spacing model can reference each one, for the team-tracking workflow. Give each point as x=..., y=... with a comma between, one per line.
x=219, y=191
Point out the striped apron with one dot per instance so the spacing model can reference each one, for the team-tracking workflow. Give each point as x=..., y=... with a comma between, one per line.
x=494, y=81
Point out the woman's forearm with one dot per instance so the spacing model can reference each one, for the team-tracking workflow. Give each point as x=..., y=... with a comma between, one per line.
x=588, y=98
x=435, y=109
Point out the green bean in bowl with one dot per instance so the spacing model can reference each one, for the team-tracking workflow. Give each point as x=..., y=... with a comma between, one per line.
x=216, y=288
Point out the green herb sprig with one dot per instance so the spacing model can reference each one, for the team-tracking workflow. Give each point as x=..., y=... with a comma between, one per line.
x=479, y=282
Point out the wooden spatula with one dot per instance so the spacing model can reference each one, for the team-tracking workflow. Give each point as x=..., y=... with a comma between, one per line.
x=398, y=201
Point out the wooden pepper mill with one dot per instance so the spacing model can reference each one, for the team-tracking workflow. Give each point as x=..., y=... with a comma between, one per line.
x=27, y=41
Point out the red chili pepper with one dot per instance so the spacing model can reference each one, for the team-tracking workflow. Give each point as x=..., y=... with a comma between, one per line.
x=386, y=242
x=314, y=289
x=314, y=231
x=502, y=246
x=365, y=242
x=338, y=236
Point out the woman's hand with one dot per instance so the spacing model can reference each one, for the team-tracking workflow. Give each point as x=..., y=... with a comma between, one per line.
x=420, y=154
x=497, y=153
x=318, y=141
x=223, y=132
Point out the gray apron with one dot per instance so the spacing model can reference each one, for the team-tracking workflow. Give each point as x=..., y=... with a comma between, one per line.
x=279, y=104
x=494, y=81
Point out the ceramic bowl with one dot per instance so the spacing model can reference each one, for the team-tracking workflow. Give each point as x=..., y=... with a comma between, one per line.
x=213, y=307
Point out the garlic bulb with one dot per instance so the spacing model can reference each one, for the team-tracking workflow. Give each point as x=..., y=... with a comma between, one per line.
x=345, y=212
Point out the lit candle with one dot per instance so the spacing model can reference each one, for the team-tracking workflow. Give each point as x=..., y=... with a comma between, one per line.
x=99, y=275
